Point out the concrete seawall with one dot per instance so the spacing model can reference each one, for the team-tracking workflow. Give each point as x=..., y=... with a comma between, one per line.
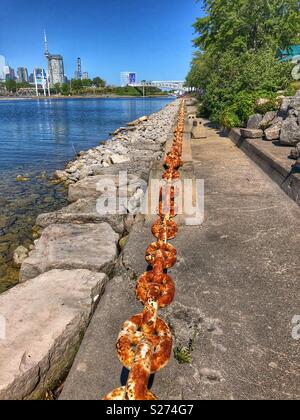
x=272, y=159
x=63, y=278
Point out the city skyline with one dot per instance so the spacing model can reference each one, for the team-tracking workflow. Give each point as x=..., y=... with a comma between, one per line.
x=154, y=39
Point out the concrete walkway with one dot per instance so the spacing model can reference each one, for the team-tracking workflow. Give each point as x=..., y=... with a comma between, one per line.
x=238, y=289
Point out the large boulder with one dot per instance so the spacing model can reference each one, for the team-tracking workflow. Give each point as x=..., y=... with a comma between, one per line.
x=254, y=122
x=115, y=159
x=273, y=133
x=90, y=246
x=290, y=132
x=268, y=119
x=45, y=321
x=295, y=152
x=81, y=212
x=295, y=102
x=251, y=133
x=95, y=186
x=285, y=107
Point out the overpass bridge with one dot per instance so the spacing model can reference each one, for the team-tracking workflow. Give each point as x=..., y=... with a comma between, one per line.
x=171, y=84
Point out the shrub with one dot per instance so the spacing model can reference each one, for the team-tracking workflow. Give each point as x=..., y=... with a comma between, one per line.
x=229, y=119
x=234, y=85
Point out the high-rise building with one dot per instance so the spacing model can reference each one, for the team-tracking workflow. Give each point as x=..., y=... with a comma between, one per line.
x=2, y=65
x=78, y=72
x=9, y=73
x=128, y=78
x=56, y=72
x=31, y=78
x=22, y=74
x=85, y=75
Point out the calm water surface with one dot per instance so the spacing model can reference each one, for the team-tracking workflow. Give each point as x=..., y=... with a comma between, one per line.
x=38, y=137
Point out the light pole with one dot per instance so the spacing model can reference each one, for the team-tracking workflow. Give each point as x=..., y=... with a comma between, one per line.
x=35, y=80
x=48, y=84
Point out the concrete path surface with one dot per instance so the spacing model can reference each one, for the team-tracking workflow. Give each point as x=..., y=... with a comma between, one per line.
x=238, y=290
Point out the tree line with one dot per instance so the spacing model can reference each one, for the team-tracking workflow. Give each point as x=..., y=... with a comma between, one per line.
x=73, y=87
x=96, y=86
x=238, y=56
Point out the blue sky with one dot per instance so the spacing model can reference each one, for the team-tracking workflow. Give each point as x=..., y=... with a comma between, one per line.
x=151, y=37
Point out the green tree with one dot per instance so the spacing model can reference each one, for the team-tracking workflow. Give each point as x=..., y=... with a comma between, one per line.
x=87, y=83
x=65, y=89
x=76, y=85
x=244, y=25
x=236, y=59
x=98, y=82
x=57, y=88
x=23, y=85
x=11, y=85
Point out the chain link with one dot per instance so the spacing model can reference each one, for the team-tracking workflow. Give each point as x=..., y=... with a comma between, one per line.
x=145, y=343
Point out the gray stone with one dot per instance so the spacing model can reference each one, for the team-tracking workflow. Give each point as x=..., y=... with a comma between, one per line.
x=81, y=212
x=61, y=175
x=254, y=122
x=273, y=133
x=93, y=187
x=286, y=104
x=69, y=246
x=295, y=103
x=115, y=159
x=295, y=153
x=268, y=119
x=71, y=170
x=293, y=113
x=45, y=320
x=251, y=134
x=290, y=132
x=19, y=256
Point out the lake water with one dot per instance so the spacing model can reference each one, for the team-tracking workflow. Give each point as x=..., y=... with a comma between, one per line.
x=38, y=137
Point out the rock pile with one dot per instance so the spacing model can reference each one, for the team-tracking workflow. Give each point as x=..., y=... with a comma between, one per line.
x=133, y=147
x=282, y=125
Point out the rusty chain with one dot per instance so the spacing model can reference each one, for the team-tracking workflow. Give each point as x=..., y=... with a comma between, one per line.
x=145, y=343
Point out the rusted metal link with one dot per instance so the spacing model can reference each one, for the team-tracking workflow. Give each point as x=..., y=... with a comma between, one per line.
x=168, y=252
x=132, y=335
x=166, y=288
x=145, y=343
x=165, y=228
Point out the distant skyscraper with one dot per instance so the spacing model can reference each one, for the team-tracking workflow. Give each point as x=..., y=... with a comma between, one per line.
x=9, y=73
x=128, y=78
x=2, y=65
x=85, y=75
x=22, y=74
x=78, y=73
x=56, y=70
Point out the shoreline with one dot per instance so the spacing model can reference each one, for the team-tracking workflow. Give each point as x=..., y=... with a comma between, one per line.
x=49, y=98
x=78, y=252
